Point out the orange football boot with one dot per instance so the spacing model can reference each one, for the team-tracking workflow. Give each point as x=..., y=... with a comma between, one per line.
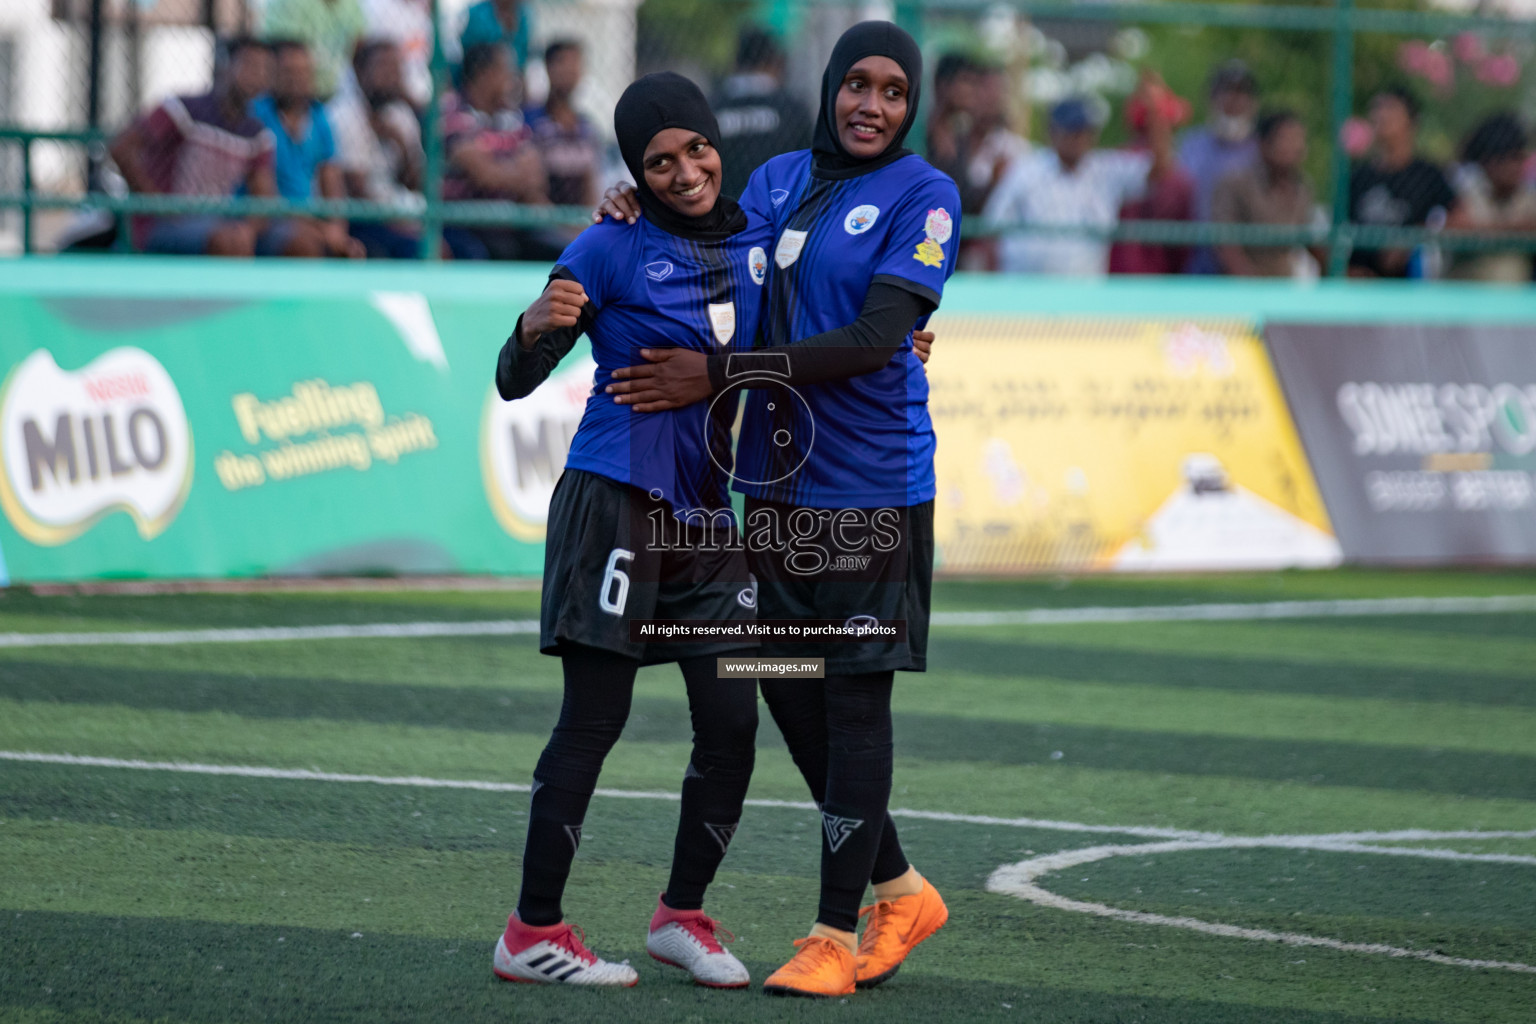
x=822, y=968
x=895, y=928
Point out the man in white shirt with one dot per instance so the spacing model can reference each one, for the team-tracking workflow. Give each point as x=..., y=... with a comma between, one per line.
x=378, y=147
x=1072, y=184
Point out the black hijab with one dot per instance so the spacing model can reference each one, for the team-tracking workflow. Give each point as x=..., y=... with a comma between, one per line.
x=866, y=39
x=653, y=104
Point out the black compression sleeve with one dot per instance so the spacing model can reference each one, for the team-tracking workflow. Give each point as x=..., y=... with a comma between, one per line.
x=520, y=370
x=890, y=310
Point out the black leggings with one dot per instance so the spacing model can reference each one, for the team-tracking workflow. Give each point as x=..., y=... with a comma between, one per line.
x=599, y=686
x=839, y=734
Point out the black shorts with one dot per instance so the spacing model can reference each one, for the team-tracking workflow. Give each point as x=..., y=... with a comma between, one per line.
x=603, y=566
x=839, y=564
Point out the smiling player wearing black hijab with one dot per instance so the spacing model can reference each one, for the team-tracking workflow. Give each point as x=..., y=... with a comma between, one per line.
x=836, y=432
x=687, y=275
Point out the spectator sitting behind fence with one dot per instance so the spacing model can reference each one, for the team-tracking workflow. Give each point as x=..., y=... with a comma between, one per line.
x=567, y=141
x=758, y=117
x=1224, y=145
x=1493, y=195
x=330, y=28
x=304, y=159
x=1273, y=191
x=207, y=145
x=1072, y=184
x=378, y=147
x=491, y=154
x=1396, y=187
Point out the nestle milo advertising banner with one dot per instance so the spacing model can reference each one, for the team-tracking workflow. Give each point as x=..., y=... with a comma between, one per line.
x=1097, y=443
x=176, y=437
x=1423, y=438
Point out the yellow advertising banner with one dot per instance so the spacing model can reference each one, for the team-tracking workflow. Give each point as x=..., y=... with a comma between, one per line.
x=1072, y=443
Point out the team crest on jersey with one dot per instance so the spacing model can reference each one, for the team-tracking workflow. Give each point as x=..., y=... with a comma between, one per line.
x=658, y=271
x=929, y=253
x=788, y=250
x=777, y=196
x=860, y=219
x=722, y=317
x=938, y=227
x=757, y=263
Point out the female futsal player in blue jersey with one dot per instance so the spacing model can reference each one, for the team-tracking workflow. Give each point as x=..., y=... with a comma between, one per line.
x=836, y=460
x=640, y=527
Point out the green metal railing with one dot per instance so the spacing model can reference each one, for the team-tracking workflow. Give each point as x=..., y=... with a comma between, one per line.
x=1342, y=20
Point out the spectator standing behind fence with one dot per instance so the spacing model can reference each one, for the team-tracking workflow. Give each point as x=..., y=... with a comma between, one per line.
x=1395, y=187
x=407, y=24
x=758, y=118
x=491, y=153
x=951, y=119
x=1171, y=197
x=304, y=160
x=207, y=145
x=1493, y=195
x=331, y=29
x=993, y=145
x=1274, y=191
x=1074, y=185
x=567, y=141
x=501, y=23
x=969, y=140
x=1224, y=145
x=378, y=148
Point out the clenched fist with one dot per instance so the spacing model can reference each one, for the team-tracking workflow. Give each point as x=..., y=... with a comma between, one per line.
x=559, y=306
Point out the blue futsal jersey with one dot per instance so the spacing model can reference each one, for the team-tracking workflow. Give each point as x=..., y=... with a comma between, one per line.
x=653, y=289
x=870, y=442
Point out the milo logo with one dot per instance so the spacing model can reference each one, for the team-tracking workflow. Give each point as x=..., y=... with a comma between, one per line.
x=77, y=444
x=523, y=445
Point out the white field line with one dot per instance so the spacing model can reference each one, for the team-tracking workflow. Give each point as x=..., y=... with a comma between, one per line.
x=1236, y=612
x=1045, y=824
x=1240, y=612
x=260, y=634
x=1020, y=880
x=313, y=775
x=1010, y=879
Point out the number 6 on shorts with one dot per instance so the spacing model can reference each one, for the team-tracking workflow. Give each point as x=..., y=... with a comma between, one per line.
x=615, y=589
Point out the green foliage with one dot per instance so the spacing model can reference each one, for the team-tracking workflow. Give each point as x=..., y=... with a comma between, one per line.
x=678, y=34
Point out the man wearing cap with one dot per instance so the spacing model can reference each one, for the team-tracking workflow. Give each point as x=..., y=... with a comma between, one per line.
x=1224, y=145
x=1072, y=184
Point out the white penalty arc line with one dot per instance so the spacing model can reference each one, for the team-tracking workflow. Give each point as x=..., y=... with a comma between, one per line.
x=1010, y=879
x=1233, y=612
x=1020, y=880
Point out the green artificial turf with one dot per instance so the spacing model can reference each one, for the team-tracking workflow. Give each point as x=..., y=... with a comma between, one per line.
x=150, y=895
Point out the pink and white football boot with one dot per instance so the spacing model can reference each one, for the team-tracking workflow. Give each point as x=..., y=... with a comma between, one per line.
x=554, y=954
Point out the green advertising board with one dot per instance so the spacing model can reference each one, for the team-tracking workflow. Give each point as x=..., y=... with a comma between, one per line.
x=184, y=423
x=172, y=418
